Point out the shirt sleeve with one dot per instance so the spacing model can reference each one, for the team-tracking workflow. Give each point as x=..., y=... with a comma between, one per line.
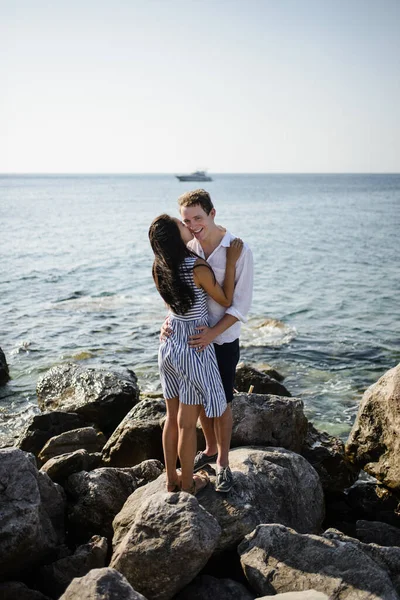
x=243, y=292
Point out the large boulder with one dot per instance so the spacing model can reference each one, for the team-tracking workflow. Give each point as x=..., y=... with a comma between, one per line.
x=206, y=587
x=167, y=544
x=262, y=420
x=247, y=376
x=306, y=595
x=101, y=396
x=42, y=427
x=54, y=578
x=4, y=372
x=374, y=441
x=370, y=500
x=101, y=584
x=61, y=467
x=376, y=532
x=32, y=514
x=138, y=437
x=16, y=590
x=270, y=485
x=95, y=498
x=327, y=455
x=85, y=438
x=277, y=559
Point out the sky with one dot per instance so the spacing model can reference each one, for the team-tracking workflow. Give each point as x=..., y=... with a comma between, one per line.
x=170, y=86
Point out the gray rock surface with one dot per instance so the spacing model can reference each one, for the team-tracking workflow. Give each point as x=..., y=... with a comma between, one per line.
x=4, y=371
x=262, y=420
x=45, y=426
x=277, y=559
x=61, y=467
x=327, y=455
x=206, y=587
x=374, y=442
x=16, y=590
x=138, y=437
x=373, y=501
x=101, y=396
x=53, y=579
x=32, y=513
x=270, y=485
x=95, y=498
x=101, y=584
x=169, y=541
x=306, y=595
x=262, y=382
x=85, y=438
x=376, y=532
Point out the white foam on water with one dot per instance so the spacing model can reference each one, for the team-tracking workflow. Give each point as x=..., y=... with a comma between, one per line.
x=266, y=332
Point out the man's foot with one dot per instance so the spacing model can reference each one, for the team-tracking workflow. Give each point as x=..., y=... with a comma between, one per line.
x=202, y=459
x=224, y=480
x=200, y=480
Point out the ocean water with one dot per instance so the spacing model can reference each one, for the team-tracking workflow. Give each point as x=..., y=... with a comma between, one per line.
x=75, y=280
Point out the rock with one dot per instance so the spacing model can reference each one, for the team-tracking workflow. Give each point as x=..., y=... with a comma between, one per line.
x=270, y=485
x=146, y=471
x=101, y=584
x=205, y=587
x=61, y=467
x=86, y=438
x=169, y=541
x=277, y=559
x=45, y=426
x=306, y=595
x=372, y=501
x=101, y=396
x=262, y=420
x=32, y=513
x=263, y=383
x=374, y=443
x=388, y=558
x=4, y=371
x=327, y=456
x=376, y=532
x=138, y=437
x=15, y=590
x=54, y=578
x=268, y=370
x=95, y=498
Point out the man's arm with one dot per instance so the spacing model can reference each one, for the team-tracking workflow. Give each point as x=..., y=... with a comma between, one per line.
x=208, y=334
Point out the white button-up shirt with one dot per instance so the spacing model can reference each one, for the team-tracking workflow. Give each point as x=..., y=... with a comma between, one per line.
x=243, y=286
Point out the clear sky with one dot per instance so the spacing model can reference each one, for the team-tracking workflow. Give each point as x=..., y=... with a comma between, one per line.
x=159, y=86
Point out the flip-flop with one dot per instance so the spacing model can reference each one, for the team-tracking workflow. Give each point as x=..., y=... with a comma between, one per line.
x=173, y=488
x=200, y=481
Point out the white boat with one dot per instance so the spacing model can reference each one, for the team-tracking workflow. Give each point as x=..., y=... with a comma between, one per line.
x=196, y=176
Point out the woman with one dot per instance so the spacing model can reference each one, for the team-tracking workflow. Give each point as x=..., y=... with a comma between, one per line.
x=190, y=379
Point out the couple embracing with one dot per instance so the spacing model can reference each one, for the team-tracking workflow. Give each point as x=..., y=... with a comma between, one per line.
x=205, y=276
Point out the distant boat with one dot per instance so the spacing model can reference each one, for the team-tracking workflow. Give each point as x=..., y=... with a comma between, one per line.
x=196, y=176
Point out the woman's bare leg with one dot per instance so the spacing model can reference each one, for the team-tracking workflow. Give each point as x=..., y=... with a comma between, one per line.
x=170, y=441
x=187, y=441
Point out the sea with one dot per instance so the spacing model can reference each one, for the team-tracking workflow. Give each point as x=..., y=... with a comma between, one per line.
x=76, y=285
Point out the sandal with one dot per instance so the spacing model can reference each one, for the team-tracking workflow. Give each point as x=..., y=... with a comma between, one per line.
x=175, y=486
x=200, y=481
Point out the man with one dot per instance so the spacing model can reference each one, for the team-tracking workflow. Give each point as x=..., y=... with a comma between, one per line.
x=210, y=242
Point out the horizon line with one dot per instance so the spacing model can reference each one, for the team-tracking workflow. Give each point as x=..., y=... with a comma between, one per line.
x=170, y=173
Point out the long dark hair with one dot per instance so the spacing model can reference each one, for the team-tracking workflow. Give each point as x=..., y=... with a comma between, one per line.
x=170, y=252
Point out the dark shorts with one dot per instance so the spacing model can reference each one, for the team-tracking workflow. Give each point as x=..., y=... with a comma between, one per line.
x=227, y=359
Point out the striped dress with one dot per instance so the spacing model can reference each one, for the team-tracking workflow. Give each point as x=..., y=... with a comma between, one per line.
x=185, y=372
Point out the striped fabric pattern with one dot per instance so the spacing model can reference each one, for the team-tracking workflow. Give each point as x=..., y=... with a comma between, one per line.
x=184, y=372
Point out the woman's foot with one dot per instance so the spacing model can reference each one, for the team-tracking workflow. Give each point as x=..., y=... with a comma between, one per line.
x=200, y=481
x=175, y=486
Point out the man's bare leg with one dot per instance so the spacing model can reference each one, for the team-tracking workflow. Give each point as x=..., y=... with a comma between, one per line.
x=223, y=432
x=207, y=426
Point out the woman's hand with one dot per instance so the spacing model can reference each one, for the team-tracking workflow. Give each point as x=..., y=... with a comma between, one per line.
x=234, y=251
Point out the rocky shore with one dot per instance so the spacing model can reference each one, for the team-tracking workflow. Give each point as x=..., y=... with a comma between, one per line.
x=84, y=513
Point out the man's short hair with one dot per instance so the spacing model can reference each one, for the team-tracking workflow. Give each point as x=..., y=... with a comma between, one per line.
x=197, y=197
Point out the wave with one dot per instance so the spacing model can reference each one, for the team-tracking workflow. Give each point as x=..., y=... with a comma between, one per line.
x=266, y=332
